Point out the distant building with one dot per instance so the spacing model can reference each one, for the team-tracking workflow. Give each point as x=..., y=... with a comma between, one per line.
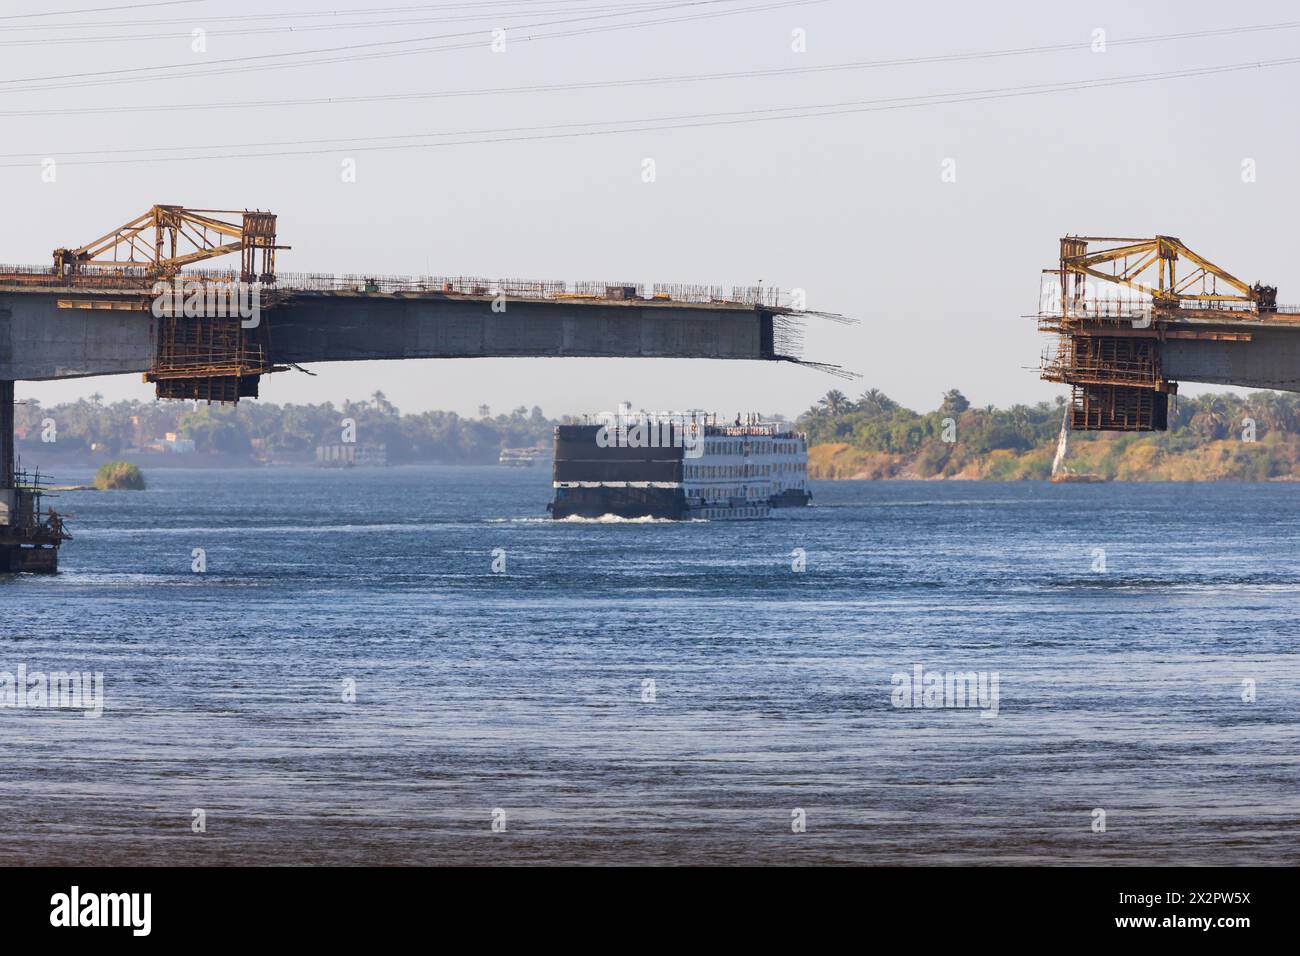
x=180, y=446
x=351, y=454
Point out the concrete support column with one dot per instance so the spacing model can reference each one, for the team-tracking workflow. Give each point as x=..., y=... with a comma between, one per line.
x=6, y=434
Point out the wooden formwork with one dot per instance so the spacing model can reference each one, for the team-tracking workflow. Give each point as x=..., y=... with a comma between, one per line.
x=209, y=358
x=1125, y=408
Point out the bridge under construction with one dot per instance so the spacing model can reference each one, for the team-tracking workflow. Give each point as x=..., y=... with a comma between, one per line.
x=125, y=303
x=1134, y=317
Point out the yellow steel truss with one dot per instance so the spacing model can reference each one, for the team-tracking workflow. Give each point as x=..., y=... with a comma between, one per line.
x=1150, y=266
x=166, y=238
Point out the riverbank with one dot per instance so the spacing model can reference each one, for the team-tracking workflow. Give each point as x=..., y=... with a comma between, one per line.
x=1114, y=457
x=1210, y=438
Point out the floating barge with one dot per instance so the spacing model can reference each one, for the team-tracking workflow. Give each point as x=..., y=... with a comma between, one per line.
x=30, y=534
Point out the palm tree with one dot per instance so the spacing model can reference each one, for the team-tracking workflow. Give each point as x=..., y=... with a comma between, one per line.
x=1212, y=420
x=1272, y=412
x=834, y=403
x=875, y=402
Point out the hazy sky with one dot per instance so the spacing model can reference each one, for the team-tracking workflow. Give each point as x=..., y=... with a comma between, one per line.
x=851, y=207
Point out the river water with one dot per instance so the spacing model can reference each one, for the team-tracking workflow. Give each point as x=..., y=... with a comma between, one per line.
x=350, y=681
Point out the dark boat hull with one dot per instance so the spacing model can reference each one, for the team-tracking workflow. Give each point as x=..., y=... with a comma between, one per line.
x=17, y=558
x=667, y=503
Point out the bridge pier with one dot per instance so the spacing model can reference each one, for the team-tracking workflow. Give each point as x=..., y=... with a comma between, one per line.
x=9, y=547
x=6, y=434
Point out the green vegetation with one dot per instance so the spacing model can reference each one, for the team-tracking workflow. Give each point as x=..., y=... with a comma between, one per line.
x=265, y=431
x=875, y=437
x=870, y=437
x=119, y=476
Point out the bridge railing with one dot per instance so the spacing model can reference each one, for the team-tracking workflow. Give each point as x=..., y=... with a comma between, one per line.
x=138, y=278
x=534, y=288
x=125, y=278
x=1053, y=320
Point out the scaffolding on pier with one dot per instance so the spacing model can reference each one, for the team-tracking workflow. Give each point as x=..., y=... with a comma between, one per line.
x=1111, y=302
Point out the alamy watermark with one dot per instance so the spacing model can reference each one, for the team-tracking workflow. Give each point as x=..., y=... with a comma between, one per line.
x=128, y=910
x=946, y=689
x=209, y=300
x=626, y=429
x=61, y=690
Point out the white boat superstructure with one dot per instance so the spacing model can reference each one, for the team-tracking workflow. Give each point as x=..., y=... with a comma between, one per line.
x=752, y=468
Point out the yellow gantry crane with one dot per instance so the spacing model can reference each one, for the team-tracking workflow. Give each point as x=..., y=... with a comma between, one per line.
x=1151, y=268
x=166, y=238
x=1119, y=304
x=208, y=356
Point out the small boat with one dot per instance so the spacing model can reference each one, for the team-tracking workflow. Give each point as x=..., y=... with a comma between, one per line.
x=1061, y=473
x=520, y=457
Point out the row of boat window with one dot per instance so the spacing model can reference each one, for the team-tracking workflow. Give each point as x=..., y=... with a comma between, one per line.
x=742, y=471
x=782, y=447
x=735, y=512
x=729, y=493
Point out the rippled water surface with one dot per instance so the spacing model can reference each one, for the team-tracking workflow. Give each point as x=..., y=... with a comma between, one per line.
x=522, y=692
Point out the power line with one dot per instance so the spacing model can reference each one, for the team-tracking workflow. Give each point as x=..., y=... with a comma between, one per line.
x=662, y=79
x=305, y=14
x=463, y=17
x=126, y=6
x=470, y=45
x=654, y=124
x=347, y=47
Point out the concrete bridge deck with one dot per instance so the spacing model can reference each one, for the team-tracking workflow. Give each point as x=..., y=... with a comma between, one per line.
x=1213, y=347
x=52, y=331
x=1269, y=358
